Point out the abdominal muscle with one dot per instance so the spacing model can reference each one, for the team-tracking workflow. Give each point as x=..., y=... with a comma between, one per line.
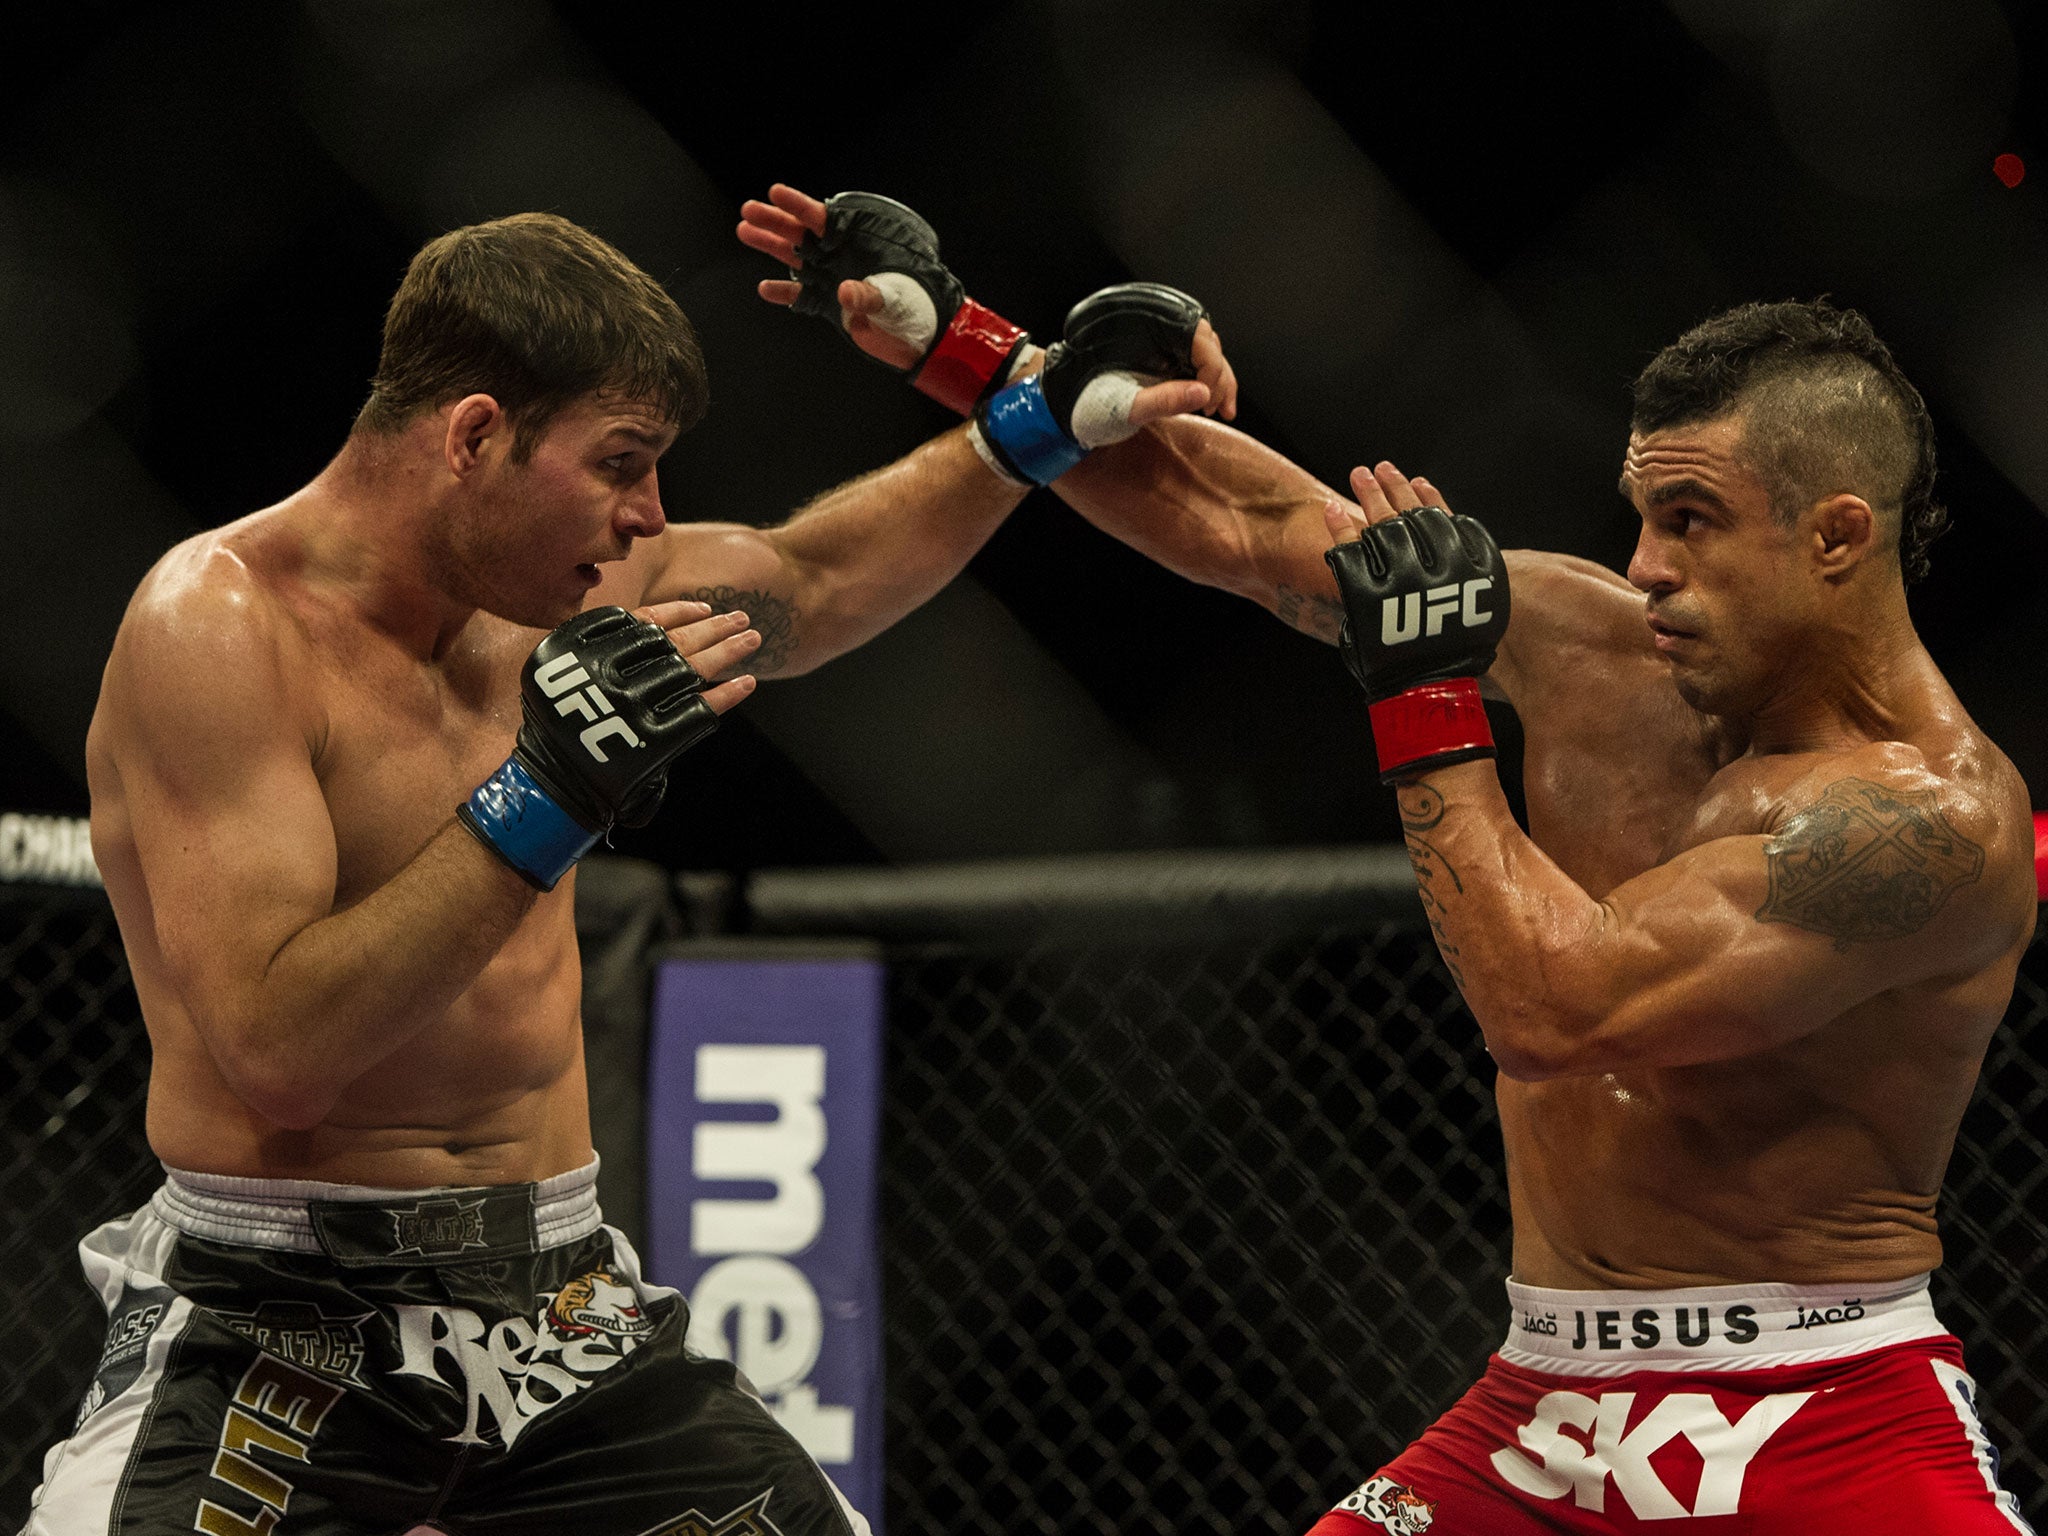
x=1640, y=1183
x=493, y=1094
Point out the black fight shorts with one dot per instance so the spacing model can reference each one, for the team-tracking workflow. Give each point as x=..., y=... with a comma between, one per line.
x=293, y=1359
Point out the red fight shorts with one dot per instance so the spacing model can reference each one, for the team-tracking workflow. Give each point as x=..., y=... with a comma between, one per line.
x=1768, y=1410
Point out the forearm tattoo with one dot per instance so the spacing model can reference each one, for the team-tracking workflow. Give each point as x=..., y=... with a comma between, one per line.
x=1309, y=612
x=1436, y=878
x=1866, y=862
x=771, y=617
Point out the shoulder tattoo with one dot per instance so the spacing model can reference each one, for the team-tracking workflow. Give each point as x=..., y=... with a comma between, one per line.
x=772, y=618
x=1866, y=862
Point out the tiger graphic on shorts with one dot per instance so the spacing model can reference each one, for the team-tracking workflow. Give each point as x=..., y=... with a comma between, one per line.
x=597, y=1302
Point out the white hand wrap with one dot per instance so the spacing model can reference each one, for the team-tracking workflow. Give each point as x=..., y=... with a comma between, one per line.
x=907, y=311
x=1102, y=414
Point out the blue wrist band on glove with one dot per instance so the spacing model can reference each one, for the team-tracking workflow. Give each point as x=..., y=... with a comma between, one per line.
x=520, y=822
x=1021, y=426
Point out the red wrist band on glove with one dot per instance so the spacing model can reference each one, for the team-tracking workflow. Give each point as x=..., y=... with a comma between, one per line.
x=1432, y=720
x=959, y=370
x=2041, y=853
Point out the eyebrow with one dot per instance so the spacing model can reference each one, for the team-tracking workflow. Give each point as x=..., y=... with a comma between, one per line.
x=1686, y=488
x=639, y=435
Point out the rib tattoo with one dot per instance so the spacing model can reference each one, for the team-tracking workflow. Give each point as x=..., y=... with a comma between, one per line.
x=771, y=617
x=1866, y=862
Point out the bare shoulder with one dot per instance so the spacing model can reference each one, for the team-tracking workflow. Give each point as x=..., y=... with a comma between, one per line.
x=203, y=595
x=1567, y=612
x=1889, y=843
x=207, y=621
x=1568, y=598
x=1568, y=573
x=1573, y=622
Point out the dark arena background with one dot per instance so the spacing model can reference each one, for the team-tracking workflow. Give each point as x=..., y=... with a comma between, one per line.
x=1191, y=1200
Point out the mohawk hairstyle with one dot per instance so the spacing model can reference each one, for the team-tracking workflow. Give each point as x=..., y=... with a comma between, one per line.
x=1825, y=407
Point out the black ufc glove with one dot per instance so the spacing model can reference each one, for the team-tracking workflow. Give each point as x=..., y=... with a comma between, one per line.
x=1041, y=427
x=609, y=703
x=1425, y=606
x=968, y=350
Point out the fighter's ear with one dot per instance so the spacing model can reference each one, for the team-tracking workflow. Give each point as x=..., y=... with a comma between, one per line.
x=1845, y=533
x=473, y=422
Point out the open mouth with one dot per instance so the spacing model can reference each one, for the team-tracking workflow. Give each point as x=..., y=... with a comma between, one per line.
x=589, y=573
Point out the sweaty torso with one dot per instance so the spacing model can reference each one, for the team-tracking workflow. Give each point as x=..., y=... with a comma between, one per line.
x=1816, y=1161
x=493, y=1092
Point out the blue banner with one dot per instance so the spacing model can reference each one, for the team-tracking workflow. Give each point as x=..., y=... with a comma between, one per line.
x=764, y=1117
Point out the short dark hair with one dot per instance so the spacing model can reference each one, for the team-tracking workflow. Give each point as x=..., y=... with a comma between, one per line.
x=536, y=312
x=1826, y=409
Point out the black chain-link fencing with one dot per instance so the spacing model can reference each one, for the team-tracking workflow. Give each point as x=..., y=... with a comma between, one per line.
x=1192, y=1202
x=1179, y=1240
x=74, y=1066
x=1992, y=1290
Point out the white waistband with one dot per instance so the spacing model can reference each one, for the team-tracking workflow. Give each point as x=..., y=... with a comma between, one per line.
x=1711, y=1327
x=276, y=1213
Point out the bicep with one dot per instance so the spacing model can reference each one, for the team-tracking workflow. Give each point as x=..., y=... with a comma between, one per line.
x=1567, y=615
x=232, y=833
x=687, y=560
x=1686, y=965
x=1746, y=943
x=733, y=568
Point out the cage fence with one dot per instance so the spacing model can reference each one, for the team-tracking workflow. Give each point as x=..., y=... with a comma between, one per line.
x=1192, y=1200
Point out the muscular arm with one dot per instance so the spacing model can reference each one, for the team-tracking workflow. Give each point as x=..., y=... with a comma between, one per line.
x=1220, y=508
x=1223, y=509
x=1733, y=947
x=292, y=999
x=847, y=565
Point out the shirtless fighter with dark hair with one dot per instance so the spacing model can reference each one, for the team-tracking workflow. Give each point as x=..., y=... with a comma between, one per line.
x=347, y=752
x=1740, y=975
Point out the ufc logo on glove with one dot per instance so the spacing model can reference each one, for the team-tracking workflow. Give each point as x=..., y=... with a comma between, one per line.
x=1404, y=618
x=566, y=672
x=1401, y=581
x=560, y=790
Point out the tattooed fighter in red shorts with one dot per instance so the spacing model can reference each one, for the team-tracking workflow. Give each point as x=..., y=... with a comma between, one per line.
x=1739, y=976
